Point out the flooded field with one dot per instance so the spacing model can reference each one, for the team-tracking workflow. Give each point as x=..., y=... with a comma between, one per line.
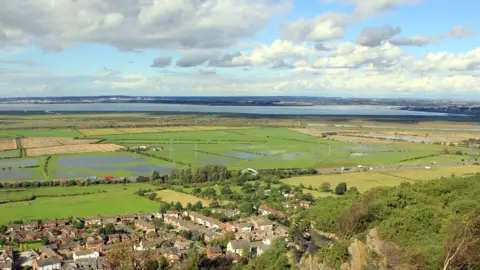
x=13, y=153
x=16, y=174
x=89, y=161
x=15, y=163
x=243, y=155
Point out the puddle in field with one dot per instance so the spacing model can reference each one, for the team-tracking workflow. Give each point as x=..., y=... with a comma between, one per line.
x=243, y=155
x=358, y=154
x=88, y=161
x=16, y=174
x=18, y=163
x=401, y=138
x=9, y=154
x=272, y=152
x=291, y=156
x=142, y=169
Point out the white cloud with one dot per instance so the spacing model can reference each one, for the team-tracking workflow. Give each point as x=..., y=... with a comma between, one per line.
x=133, y=24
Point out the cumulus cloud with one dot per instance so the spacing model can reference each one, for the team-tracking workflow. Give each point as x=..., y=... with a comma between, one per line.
x=133, y=24
x=375, y=36
x=194, y=59
x=456, y=32
x=332, y=25
x=161, y=62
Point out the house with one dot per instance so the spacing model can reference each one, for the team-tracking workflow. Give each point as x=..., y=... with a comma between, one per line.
x=110, y=219
x=208, y=237
x=91, y=221
x=182, y=245
x=281, y=230
x=92, y=237
x=265, y=211
x=305, y=204
x=238, y=246
x=70, y=232
x=69, y=247
x=26, y=258
x=144, y=245
x=47, y=264
x=6, y=266
x=114, y=238
x=62, y=223
x=231, y=226
x=213, y=252
x=30, y=226
x=127, y=218
x=145, y=226
x=146, y=216
x=244, y=227
x=32, y=236
x=172, y=213
x=85, y=254
x=14, y=228
x=46, y=252
x=258, y=248
x=49, y=224
x=106, y=248
x=264, y=225
x=94, y=244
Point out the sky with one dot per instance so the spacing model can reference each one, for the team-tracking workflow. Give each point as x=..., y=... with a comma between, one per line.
x=341, y=48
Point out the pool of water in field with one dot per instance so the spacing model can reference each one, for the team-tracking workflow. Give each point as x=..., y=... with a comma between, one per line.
x=243, y=155
x=9, y=154
x=402, y=138
x=92, y=161
x=272, y=152
x=18, y=163
x=142, y=169
x=16, y=174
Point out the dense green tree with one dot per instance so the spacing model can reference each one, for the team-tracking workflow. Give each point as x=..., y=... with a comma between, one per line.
x=325, y=187
x=341, y=189
x=178, y=206
x=152, y=196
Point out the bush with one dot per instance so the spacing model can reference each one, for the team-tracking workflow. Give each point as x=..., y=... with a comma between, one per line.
x=341, y=189
x=325, y=187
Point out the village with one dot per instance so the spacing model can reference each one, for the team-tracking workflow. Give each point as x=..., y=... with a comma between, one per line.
x=84, y=243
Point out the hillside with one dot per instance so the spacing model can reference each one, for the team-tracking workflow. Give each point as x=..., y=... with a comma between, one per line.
x=427, y=225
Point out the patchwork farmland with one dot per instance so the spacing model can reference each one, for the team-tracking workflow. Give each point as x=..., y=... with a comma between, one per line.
x=70, y=149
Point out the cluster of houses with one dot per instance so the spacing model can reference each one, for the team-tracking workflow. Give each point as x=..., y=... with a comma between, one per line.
x=73, y=248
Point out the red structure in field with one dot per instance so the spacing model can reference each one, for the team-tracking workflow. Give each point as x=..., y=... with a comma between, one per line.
x=108, y=177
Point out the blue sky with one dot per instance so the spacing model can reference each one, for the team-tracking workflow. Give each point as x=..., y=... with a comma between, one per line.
x=375, y=48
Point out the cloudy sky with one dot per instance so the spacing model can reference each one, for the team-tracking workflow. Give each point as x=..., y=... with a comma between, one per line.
x=355, y=48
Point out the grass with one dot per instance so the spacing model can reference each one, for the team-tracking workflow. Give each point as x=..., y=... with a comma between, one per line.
x=119, y=199
x=364, y=181
x=68, y=133
x=175, y=196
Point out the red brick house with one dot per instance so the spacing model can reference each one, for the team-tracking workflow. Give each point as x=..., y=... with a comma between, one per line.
x=94, y=244
x=213, y=252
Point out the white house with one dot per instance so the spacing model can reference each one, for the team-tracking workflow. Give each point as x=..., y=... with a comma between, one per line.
x=85, y=254
x=238, y=246
x=47, y=264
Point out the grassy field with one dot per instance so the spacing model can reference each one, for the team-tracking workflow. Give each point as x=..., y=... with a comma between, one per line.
x=118, y=199
x=67, y=133
x=371, y=179
x=175, y=196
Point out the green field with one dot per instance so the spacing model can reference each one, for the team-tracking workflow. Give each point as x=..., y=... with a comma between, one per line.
x=118, y=199
x=11, y=133
x=175, y=196
x=364, y=181
x=258, y=148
